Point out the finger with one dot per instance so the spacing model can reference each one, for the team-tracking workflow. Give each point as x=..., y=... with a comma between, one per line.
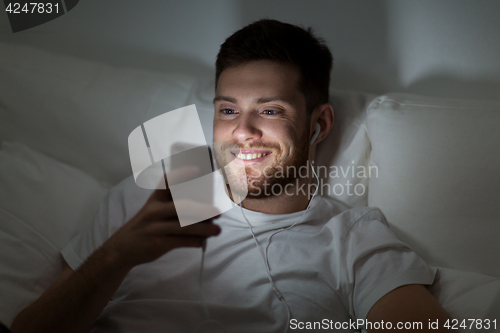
x=159, y=210
x=185, y=241
x=175, y=176
x=205, y=229
x=173, y=228
x=187, y=209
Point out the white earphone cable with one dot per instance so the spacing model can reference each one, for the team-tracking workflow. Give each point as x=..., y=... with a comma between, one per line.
x=209, y=320
x=275, y=289
x=300, y=220
x=263, y=254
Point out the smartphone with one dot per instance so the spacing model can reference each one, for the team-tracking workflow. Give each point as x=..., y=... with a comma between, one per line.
x=200, y=187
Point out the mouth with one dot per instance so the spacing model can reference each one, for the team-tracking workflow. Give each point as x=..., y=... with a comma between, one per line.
x=250, y=155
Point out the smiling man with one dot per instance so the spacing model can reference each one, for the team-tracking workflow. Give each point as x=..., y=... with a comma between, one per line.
x=285, y=260
x=259, y=108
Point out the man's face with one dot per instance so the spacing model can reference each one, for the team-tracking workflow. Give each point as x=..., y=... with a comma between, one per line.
x=259, y=109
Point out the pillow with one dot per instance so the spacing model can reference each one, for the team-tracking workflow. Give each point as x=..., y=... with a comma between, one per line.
x=438, y=177
x=43, y=204
x=467, y=295
x=343, y=156
x=202, y=95
x=79, y=111
x=29, y=263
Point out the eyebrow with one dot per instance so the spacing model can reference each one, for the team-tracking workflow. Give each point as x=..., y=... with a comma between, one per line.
x=225, y=98
x=259, y=100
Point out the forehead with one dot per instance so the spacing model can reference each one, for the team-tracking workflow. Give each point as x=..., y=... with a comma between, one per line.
x=260, y=79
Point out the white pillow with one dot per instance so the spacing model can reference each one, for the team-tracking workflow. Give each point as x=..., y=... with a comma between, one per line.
x=43, y=204
x=202, y=95
x=29, y=263
x=467, y=295
x=344, y=154
x=78, y=111
x=439, y=176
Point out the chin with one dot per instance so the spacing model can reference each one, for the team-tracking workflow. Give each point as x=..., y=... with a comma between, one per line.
x=256, y=180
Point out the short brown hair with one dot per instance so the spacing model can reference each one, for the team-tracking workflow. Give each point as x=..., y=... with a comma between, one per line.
x=284, y=43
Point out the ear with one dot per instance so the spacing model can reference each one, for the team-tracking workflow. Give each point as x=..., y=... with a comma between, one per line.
x=322, y=115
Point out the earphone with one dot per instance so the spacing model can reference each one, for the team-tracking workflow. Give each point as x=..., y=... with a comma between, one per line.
x=316, y=133
x=264, y=256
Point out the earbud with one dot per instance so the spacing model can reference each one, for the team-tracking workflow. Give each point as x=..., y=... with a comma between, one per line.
x=316, y=133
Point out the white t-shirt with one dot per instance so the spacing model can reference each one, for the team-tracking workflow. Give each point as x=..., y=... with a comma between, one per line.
x=333, y=265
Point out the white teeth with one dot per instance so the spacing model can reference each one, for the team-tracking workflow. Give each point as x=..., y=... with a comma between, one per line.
x=249, y=156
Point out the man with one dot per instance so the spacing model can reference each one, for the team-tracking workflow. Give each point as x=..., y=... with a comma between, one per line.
x=283, y=261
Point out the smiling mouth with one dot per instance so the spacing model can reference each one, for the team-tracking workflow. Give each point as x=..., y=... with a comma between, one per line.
x=249, y=157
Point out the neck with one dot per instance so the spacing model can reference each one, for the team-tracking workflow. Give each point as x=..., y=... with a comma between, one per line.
x=295, y=199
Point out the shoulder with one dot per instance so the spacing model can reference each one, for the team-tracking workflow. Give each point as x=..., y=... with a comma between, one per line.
x=129, y=191
x=373, y=261
x=121, y=203
x=360, y=232
x=126, y=198
x=345, y=221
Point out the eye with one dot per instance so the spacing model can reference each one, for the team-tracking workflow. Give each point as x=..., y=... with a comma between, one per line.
x=270, y=112
x=227, y=111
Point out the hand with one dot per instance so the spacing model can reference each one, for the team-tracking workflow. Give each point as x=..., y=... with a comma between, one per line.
x=155, y=229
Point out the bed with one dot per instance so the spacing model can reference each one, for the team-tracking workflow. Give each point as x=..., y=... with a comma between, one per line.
x=64, y=124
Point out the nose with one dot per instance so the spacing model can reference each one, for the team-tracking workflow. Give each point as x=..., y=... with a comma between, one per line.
x=247, y=129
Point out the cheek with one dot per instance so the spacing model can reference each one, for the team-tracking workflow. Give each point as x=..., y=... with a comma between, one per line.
x=285, y=138
x=298, y=147
x=222, y=132
x=283, y=134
